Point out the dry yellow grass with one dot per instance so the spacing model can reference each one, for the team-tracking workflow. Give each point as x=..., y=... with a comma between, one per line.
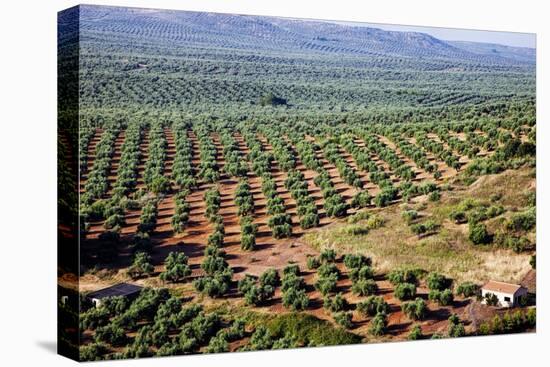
x=449, y=251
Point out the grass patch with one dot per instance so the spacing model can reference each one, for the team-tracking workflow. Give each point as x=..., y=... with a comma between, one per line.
x=308, y=329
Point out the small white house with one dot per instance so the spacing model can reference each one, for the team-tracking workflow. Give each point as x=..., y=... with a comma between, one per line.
x=508, y=294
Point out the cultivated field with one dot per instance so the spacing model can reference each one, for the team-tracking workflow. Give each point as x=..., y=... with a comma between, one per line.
x=276, y=192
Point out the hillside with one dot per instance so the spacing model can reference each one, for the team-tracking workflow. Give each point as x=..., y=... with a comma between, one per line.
x=224, y=64
x=521, y=54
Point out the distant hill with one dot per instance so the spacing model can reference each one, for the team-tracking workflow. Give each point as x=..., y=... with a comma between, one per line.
x=281, y=34
x=523, y=54
x=208, y=63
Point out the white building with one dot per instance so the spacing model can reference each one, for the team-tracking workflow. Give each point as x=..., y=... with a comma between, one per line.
x=121, y=289
x=508, y=294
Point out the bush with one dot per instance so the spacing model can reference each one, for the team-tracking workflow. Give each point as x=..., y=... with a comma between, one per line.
x=328, y=256
x=436, y=281
x=336, y=303
x=365, y=272
x=409, y=216
x=405, y=291
x=415, y=333
x=491, y=299
x=477, y=233
x=444, y=298
x=356, y=261
x=295, y=299
x=111, y=334
x=415, y=310
x=375, y=221
x=313, y=262
x=361, y=200
x=176, y=267
x=458, y=216
x=326, y=269
x=364, y=287
x=270, y=277
x=378, y=325
x=456, y=328
x=327, y=284
x=373, y=305
x=434, y=196
x=524, y=221
x=467, y=289
x=344, y=319
x=399, y=276
x=309, y=220
x=248, y=242
x=141, y=266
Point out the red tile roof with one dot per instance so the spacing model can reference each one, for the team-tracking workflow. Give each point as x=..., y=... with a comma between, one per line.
x=501, y=287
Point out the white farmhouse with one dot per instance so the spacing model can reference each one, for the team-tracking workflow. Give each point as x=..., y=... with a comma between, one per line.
x=508, y=294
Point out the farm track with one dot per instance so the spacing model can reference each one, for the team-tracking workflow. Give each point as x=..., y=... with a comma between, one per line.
x=193, y=240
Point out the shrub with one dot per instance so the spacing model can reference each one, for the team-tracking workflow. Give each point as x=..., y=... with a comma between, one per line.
x=467, y=289
x=477, y=233
x=343, y=319
x=218, y=344
x=356, y=261
x=111, y=334
x=336, y=303
x=434, y=196
x=141, y=266
x=328, y=256
x=365, y=272
x=309, y=220
x=270, y=277
x=248, y=242
x=437, y=281
x=375, y=221
x=415, y=333
x=215, y=285
x=313, y=262
x=176, y=267
x=405, y=291
x=399, y=276
x=409, y=216
x=373, y=305
x=364, y=287
x=327, y=284
x=458, y=216
x=291, y=269
x=361, y=200
x=326, y=269
x=416, y=309
x=491, y=299
x=378, y=325
x=295, y=299
x=456, y=328
x=444, y=298
x=523, y=221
